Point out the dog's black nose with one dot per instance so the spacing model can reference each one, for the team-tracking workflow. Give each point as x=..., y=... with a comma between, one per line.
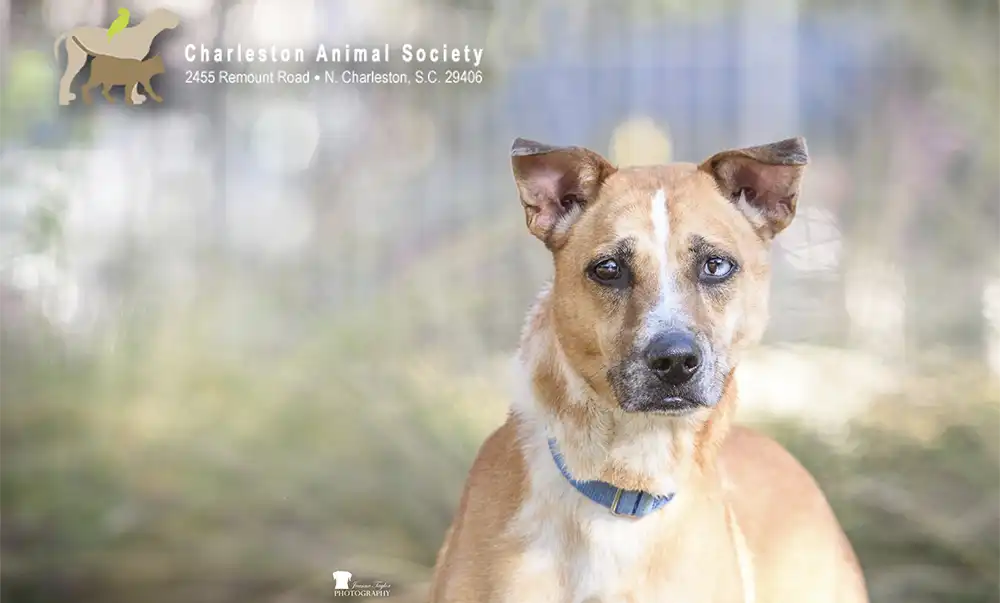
x=674, y=357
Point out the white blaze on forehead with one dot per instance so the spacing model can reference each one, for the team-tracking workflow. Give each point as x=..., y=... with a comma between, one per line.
x=661, y=232
x=668, y=304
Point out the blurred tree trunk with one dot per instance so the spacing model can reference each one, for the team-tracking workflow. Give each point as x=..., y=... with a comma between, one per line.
x=769, y=112
x=953, y=238
x=215, y=236
x=5, y=42
x=927, y=207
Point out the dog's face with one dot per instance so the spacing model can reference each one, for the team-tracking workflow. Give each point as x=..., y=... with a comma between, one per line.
x=661, y=273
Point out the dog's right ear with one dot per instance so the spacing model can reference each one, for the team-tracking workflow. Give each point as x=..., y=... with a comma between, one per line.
x=555, y=184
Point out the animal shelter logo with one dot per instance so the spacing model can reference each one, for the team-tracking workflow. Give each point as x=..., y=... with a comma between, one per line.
x=344, y=585
x=118, y=57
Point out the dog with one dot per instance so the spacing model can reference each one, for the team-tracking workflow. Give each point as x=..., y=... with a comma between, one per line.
x=617, y=476
x=108, y=71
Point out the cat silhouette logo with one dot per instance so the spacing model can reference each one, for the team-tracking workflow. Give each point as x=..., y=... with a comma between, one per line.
x=119, y=56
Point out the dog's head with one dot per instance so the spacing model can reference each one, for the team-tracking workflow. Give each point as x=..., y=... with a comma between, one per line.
x=661, y=273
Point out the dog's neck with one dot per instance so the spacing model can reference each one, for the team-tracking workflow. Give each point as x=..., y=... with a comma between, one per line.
x=634, y=451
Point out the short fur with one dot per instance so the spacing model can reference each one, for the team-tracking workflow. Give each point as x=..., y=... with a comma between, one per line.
x=747, y=523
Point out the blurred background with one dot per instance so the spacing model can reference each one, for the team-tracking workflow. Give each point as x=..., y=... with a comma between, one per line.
x=256, y=334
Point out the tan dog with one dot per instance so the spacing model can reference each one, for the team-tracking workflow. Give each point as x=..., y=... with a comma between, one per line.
x=617, y=478
x=110, y=72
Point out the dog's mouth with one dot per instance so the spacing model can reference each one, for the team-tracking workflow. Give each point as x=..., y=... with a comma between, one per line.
x=671, y=405
x=638, y=390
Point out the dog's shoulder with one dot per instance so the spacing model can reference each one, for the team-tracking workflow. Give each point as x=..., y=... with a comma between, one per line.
x=746, y=449
x=495, y=487
x=785, y=517
x=766, y=482
x=492, y=497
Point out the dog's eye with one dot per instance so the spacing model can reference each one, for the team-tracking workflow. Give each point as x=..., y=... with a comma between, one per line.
x=609, y=272
x=716, y=269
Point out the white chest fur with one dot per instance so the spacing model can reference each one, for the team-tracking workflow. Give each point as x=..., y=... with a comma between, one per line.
x=575, y=551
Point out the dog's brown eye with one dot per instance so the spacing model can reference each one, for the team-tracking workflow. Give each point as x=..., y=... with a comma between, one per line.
x=716, y=269
x=608, y=272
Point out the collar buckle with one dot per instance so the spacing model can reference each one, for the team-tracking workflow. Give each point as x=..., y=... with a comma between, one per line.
x=614, y=505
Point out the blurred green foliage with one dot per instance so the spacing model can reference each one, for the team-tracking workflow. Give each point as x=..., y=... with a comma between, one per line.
x=24, y=96
x=917, y=488
x=160, y=470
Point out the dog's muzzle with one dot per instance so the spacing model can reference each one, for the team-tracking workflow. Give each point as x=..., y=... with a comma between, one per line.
x=673, y=374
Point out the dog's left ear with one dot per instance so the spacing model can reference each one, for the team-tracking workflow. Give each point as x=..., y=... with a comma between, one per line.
x=762, y=181
x=555, y=184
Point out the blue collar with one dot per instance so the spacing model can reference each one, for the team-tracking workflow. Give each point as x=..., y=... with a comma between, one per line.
x=622, y=503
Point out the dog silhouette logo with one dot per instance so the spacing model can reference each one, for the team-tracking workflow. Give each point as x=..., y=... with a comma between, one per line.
x=342, y=580
x=119, y=56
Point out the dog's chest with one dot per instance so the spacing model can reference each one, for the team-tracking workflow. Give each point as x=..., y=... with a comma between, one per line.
x=579, y=553
x=611, y=559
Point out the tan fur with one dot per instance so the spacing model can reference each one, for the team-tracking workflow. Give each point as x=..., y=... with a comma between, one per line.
x=748, y=523
x=498, y=474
